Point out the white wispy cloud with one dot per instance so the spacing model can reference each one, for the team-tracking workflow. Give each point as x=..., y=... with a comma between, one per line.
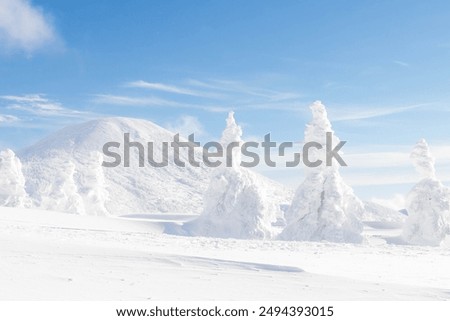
x=238, y=87
x=401, y=63
x=8, y=118
x=132, y=100
x=151, y=101
x=24, y=27
x=212, y=96
x=384, y=166
x=378, y=160
x=38, y=104
x=367, y=112
x=391, y=159
x=186, y=125
x=169, y=89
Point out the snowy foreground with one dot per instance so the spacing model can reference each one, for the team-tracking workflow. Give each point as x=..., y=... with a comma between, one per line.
x=49, y=255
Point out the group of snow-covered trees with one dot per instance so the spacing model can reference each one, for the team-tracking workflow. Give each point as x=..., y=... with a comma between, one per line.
x=12, y=181
x=324, y=206
x=54, y=188
x=237, y=203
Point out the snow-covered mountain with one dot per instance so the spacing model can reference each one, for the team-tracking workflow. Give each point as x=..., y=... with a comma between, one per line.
x=63, y=172
x=376, y=213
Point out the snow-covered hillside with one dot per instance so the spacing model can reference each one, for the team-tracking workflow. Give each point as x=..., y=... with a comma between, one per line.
x=59, y=171
x=378, y=214
x=63, y=172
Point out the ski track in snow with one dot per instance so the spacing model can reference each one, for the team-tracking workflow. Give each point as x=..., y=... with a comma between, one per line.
x=47, y=255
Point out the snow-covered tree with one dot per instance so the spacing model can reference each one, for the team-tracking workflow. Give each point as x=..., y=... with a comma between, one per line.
x=235, y=205
x=422, y=160
x=92, y=186
x=428, y=203
x=12, y=181
x=232, y=134
x=55, y=188
x=324, y=207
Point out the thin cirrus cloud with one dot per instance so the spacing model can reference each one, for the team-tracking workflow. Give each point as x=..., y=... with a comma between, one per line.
x=169, y=89
x=39, y=105
x=401, y=63
x=216, y=89
x=211, y=95
x=360, y=113
x=151, y=101
x=24, y=27
x=8, y=119
x=238, y=87
x=132, y=101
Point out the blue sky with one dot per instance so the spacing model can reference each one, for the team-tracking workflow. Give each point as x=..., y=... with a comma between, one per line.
x=381, y=67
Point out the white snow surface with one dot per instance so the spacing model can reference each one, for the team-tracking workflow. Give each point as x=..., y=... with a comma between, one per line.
x=324, y=207
x=56, y=256
x=235, y=206
x=122, y=250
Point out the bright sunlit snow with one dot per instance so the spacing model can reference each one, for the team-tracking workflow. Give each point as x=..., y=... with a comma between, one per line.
x=71, y=228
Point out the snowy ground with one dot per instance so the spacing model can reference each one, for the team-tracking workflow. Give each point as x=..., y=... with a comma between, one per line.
x=48, y=255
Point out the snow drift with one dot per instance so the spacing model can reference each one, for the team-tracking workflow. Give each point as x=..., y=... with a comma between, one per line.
x=236, y=203
x=324, y=207
x=428, y=203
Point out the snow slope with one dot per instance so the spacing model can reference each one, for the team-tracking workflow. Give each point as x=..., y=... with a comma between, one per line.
x=58, y=170
x=378, y=214
x=46, y=255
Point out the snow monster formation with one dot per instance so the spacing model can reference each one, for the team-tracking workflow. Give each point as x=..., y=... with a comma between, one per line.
x=235, y=204
x=428, y=203
x=12, y=181
x=324, y=208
